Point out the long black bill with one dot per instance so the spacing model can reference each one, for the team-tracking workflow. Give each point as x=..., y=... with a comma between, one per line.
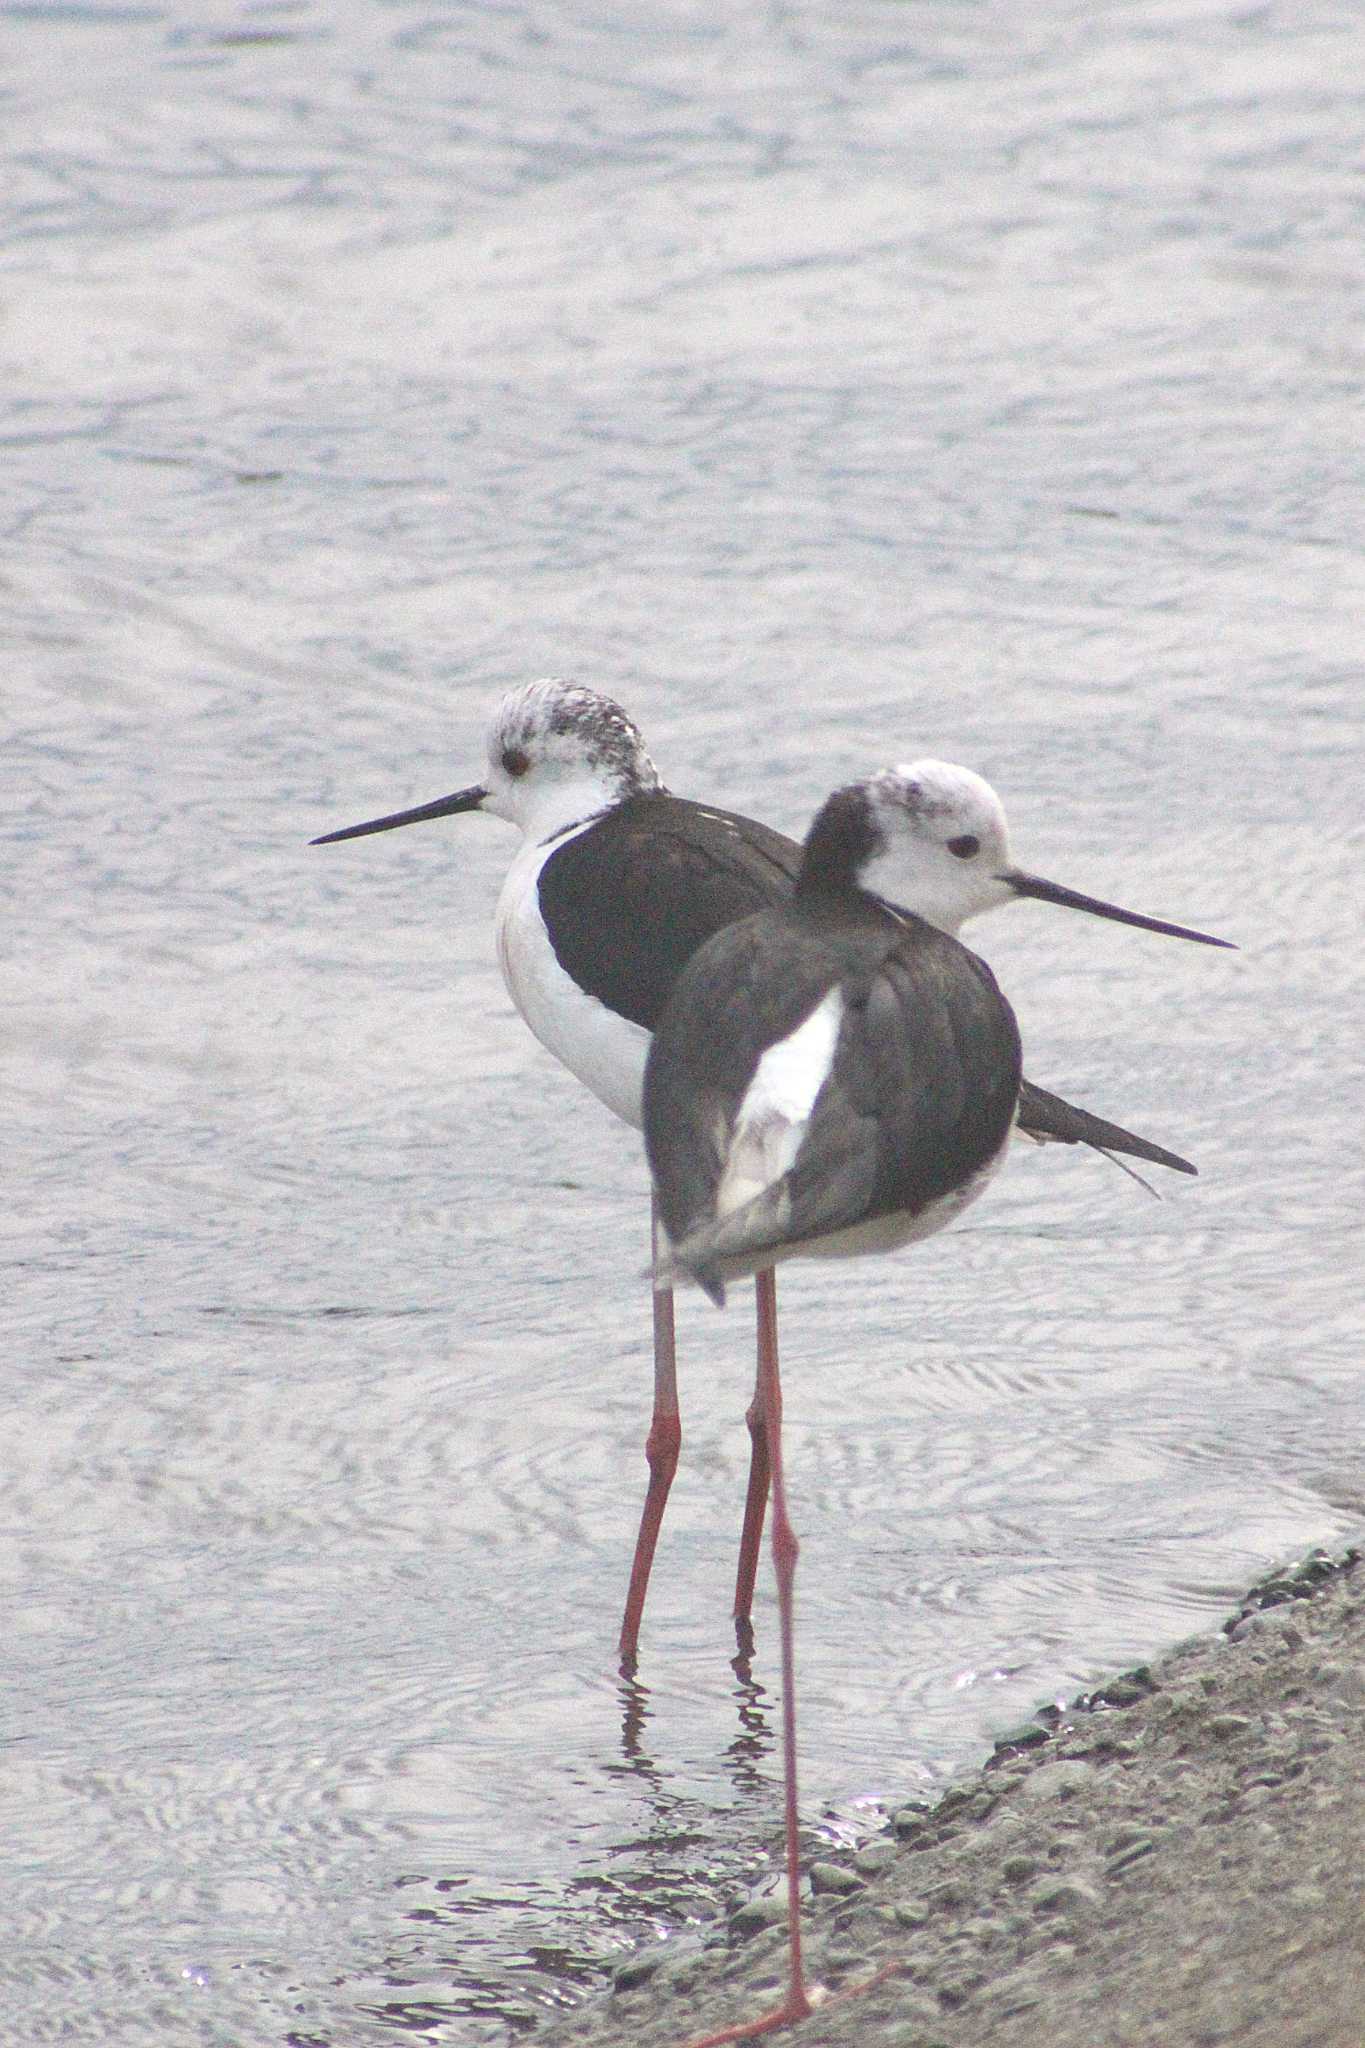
x=444, y=807
x=1071, y=899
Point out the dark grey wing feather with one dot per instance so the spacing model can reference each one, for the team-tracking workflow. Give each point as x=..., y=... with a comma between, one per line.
x=929, y=1057
x=1047, y=1118
x=747, y=988
x=628, y=902
x=920, y=1096
x=831, y=1187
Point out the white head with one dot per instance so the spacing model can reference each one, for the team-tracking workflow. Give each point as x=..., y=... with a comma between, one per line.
x=943, y=846
x=931, y=837
x=557, y=754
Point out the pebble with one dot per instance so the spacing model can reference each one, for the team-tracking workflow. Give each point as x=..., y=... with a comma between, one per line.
x=953, y=1992
x=840, y=1955
x=1342, y=1682
x=1063, y=1895
x=874, y=1857
x=1062, y=1780
x=1177, y=1704
x=680, y=1973
x=915, y=2024
x=637, y=1969
x=1133, y=1851
x=1239, y=1744
x=858, y=1918
x=1020, y=1990
x=1029, y=1735
x=953, y=1801
x=756, y=1914
x=1125, y=1691
x=834, y=1877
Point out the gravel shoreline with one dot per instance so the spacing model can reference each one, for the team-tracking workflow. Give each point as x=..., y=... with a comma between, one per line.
x=1175, y=1862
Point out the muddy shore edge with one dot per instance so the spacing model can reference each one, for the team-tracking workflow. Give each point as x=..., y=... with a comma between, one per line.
x=1177, y=1860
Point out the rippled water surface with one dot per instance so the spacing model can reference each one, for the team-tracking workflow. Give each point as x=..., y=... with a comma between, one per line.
x=832, y=386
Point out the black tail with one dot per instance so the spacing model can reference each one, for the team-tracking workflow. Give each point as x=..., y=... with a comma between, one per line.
x=1049, y=1119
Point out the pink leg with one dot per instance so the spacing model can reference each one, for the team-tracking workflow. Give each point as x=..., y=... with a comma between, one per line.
x=756, y=1500
x=797, y=2003
x=661, y=1454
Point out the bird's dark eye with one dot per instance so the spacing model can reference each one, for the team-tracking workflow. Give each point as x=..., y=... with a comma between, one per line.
x=965, y=847
x=515, y=762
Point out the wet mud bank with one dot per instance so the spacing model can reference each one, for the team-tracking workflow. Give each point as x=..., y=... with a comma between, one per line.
x=1178, y=1858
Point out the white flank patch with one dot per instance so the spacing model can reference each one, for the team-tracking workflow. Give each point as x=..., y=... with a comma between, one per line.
x=604, y=1050
x=777, y=1105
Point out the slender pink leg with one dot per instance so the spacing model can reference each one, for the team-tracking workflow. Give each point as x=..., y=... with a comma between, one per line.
x=797, y=2003
x=661, y=1454
x=756, y=1499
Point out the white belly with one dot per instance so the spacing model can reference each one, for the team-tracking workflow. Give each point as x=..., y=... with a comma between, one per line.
x=882, y=1234
x=605, y=1051
x=889, y=1233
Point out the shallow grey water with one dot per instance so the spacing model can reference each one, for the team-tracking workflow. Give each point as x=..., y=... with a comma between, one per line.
x=931, y=379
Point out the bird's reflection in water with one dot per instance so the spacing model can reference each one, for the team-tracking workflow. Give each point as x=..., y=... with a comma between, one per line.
x=688, y=1860
x=757, y=1738
x=755, y=1741
x=635, y=1712
x=679, y=1862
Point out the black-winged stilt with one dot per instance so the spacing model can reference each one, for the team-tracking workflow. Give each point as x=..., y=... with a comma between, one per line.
x=617, y=883
x=829, y=1077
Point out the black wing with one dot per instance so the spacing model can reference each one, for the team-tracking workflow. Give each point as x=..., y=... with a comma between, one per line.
x=919, y=1097
x=926, y=1073
x=628, y=902
x=745, y=990
x=1047, y=1118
